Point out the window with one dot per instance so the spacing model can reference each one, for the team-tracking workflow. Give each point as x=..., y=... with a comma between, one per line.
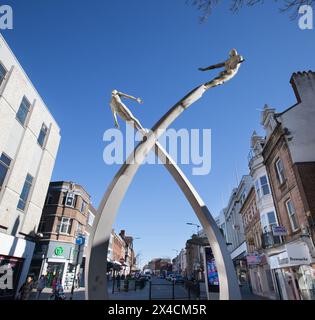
x=70, y=199
x=3, y=72
x=257, y=187
x=25, y=192
x=292, y=215
x=280, y=171
x=83, y=206
x=91, y=218
x=65, y=225
x=42, y=135
x=79, y=228
x=87, y=236
x=264, y=185
x=23, y=111
x=49, y=199
x=42, y=226
x=272, y=219
x=5, y=162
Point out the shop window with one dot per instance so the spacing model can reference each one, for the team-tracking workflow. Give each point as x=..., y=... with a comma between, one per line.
x=15, y=265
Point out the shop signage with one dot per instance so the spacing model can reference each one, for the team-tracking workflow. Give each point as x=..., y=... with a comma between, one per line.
x=293, y=255
x=59, y=251
x=253, y=259
x=279, y=231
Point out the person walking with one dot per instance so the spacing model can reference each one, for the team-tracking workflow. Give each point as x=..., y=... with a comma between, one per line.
x=118, y=282
x=26, y=289
x=41, y=284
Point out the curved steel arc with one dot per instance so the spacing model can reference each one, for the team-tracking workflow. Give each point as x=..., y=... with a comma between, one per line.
x=99, y=238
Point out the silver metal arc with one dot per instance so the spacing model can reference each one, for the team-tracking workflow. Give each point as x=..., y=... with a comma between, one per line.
x=95, y=271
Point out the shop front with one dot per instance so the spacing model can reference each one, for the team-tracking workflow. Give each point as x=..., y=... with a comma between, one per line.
x=294, y=272
x=58, y=261
x=15, y=258
x=261, y=280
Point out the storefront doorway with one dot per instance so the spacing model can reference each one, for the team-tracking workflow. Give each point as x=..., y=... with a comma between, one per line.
x=54, y=269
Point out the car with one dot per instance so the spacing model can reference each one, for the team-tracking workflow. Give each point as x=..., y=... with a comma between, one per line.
x=178, y=278
x=169, y=277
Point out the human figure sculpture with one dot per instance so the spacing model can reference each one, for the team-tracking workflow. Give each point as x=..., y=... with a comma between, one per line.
x=230, y=66
x=118, y=107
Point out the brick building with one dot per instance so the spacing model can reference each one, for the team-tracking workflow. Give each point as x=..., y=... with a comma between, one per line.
x=289, y=157
x=65, y=217
x=121, y=254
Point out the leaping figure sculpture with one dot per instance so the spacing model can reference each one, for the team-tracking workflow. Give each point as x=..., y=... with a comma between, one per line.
x=100, y=235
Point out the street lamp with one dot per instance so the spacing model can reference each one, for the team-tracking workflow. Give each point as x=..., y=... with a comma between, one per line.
x=194, y=224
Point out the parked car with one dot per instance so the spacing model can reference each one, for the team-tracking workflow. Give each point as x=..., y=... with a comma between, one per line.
x=169, y=277
x=178, y=278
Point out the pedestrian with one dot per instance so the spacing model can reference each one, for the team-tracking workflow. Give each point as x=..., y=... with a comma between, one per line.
x=53, y=286
x=78, y=281
x=118, y=282
x=41, y=284
x=26, y=289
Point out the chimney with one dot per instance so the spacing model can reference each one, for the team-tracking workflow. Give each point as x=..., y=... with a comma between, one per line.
x=303, y=84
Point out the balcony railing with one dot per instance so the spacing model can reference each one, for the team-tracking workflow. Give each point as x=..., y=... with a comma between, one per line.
x=269, y=240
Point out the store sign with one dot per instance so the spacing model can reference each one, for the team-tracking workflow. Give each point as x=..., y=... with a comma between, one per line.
x=279, y=231
x=294, y=255
x=59, y=251
x=253, y=259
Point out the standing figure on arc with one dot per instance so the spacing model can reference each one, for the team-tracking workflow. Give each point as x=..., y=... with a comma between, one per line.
x=118, y=107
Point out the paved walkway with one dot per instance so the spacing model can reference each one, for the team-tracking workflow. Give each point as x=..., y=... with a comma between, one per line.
x=143, y=294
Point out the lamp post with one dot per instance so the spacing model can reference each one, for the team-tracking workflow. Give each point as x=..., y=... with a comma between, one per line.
x=194, y=224
x=80, y=240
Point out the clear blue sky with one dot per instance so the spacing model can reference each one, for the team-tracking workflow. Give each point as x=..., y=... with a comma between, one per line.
x=76, y=52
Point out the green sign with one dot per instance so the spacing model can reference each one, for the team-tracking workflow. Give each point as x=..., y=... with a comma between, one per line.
x=59, y=251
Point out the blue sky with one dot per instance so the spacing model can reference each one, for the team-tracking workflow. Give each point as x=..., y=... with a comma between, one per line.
x=76, y=52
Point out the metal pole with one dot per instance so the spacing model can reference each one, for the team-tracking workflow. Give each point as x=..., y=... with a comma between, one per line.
x=173, y=290
x=150, y=290
x=75, y=271
x=114, y=278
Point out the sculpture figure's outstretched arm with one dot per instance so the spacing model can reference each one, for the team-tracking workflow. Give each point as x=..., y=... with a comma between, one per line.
x=215, y=66
x=139, y=100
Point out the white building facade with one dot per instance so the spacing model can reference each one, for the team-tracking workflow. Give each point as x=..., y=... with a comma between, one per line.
x=29, y=141
x=234, y=228
x=262, y=278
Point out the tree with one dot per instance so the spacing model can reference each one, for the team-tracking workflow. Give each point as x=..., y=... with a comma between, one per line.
x=207, y=6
